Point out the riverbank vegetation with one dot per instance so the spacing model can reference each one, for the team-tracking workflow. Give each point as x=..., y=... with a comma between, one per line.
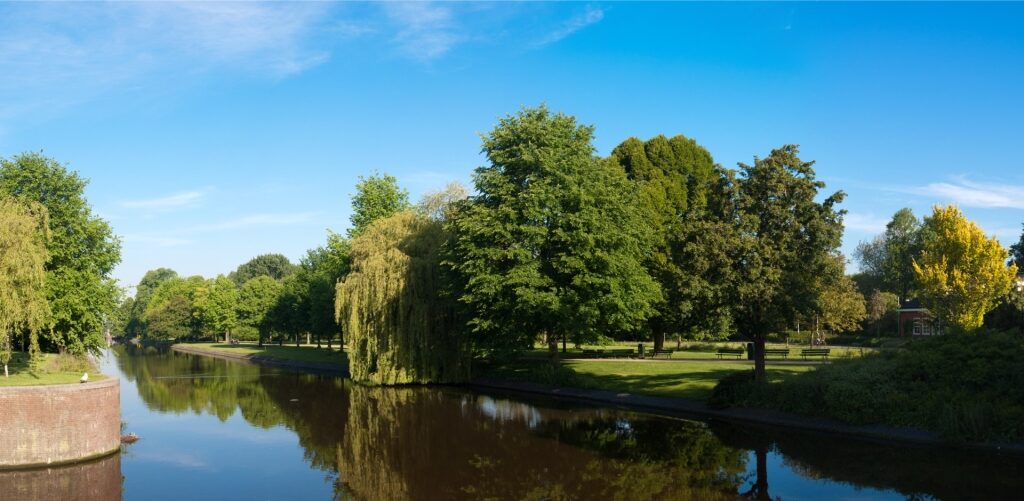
x=963, y=387
x=48, y=368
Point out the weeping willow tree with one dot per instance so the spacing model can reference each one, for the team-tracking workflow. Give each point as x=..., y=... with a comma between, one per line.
x=23, y=304
x=400, y=329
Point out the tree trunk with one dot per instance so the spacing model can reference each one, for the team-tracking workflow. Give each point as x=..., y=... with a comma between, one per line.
x=296, y=339
x=5, y=371
x=307, y=339
x=659, y=341
x=227, y=339
x=564, y=339
x=761, y=486
x=318, y=340
x=552, y=345
x=679, y=342
x=261, y=338
x=759, y=369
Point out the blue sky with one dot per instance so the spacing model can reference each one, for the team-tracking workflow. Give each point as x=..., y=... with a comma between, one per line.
x=216, y=132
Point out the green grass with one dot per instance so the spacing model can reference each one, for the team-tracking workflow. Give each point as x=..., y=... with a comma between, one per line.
x=693, y=350
x=693, y=380
x=54, y=369
x=306, y=353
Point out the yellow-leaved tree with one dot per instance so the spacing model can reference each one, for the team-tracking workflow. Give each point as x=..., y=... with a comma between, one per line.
x=23, y=304
x=961, y=272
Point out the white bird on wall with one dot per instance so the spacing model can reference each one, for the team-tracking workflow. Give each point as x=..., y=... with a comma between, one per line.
x=85, y=377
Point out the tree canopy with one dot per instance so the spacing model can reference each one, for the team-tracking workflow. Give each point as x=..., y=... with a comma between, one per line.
x=1017, y=252
x=23, y=304
x=82, y=250
x=554, y=241
x=962, y=272
x=256, y=300
x=377, y=197
x=673, y=177
x=275, y=266
x=786, y=243
x=399, y=327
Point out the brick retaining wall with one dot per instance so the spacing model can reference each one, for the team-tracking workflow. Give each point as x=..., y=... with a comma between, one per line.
x=98, y=480
x=43, y=425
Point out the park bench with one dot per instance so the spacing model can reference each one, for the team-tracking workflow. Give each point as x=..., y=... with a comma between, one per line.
x=593, y=353
x=618, y=354
x=736, y=352
x=780, y=352
x=815, y=352
x=662, y=353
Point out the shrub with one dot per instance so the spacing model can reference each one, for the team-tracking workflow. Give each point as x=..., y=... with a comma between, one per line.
x=964, y=387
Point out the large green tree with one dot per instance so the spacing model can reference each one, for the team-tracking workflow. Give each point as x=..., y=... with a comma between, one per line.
x=961, y=272
x=275, y=266
x=673, y=177
x=216, y=303
x=554, y=241
x=887, y=259
x=256, y=301
x=399, y=327
x=135, y=325
x=23, y=304
x=786, y=241
x=376, y=197
x=172, y=323
x=82, y=250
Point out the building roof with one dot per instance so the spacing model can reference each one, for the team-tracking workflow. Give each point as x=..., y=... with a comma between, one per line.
x=912, y=305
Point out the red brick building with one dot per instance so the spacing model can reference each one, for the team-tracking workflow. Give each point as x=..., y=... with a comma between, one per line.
x=916, y=320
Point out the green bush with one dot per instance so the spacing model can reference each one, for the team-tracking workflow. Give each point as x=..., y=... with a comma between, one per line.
x=964, y=387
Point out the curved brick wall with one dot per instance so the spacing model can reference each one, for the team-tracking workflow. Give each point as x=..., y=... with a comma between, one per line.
x=42, y=425
x=98, y=480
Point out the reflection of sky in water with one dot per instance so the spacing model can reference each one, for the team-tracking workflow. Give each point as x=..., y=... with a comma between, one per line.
x=507, y=410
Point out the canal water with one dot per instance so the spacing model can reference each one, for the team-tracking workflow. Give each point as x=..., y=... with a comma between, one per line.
x=223, y=430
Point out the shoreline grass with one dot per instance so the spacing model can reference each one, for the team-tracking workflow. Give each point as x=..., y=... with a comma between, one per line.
x=692, y=380
x=54, y=369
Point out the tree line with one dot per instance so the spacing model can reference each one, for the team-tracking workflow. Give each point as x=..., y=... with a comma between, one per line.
x=556, y=244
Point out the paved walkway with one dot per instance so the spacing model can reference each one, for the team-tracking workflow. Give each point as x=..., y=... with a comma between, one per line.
x=317, y=367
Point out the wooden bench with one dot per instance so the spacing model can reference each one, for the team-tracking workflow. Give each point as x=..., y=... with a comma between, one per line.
x=815, y=352
x=593, y=353
x=662, y=353
x=736, y=352
x=781, y=352
x=619, y=354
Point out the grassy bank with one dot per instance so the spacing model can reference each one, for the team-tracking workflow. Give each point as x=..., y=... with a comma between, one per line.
x=693, y=380
x=306, y=353
x=965, y=387
x=54, y=369
x=693, y=350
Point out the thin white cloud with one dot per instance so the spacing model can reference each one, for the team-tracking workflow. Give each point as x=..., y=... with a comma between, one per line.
x=157, y=240
x=184, y=199
x=974, y=194
x=55, y=56
x=866, y=223
x=591, y=15
x=425, y=30
x=259, y=220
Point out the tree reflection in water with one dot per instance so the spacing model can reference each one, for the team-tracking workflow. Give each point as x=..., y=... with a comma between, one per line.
x=446, y=443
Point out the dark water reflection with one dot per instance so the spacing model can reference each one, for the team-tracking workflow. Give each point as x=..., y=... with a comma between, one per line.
x=213, y=429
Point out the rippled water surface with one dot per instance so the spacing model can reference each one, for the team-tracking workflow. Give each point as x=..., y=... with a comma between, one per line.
x=214, y=429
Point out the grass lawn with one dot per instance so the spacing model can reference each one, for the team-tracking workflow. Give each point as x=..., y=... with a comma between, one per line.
x=693, y=350
x=53, y=370
x=693, y=380
x=308, y=353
